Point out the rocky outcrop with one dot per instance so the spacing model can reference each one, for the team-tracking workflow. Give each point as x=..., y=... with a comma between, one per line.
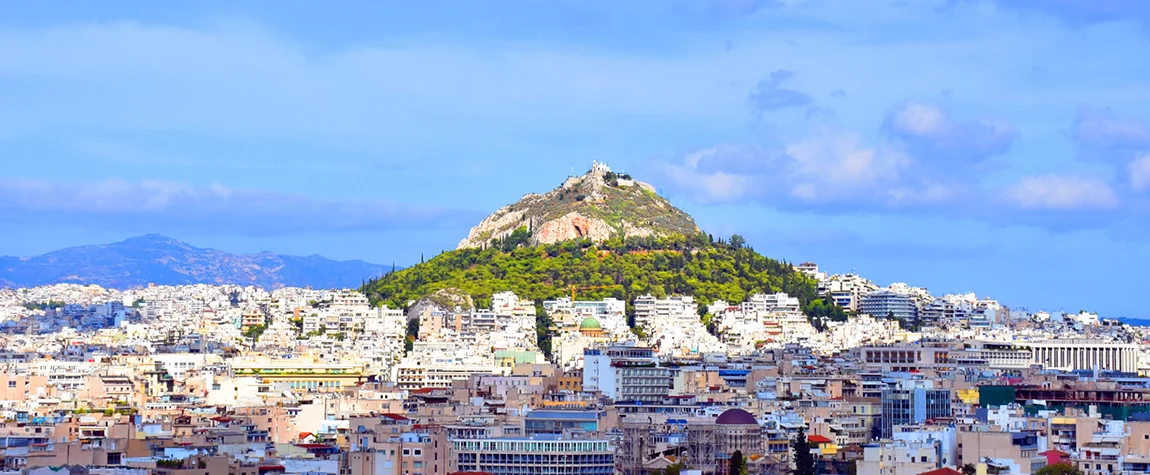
x=596, y=206
x=573, y=226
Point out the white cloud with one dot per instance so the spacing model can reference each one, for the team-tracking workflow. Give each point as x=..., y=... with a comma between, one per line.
x=842, y=158
x=1100, y=126
x=828, y=166
x=1140, y=172
x=1061, y=193
x=945, y=146
x=706, y=186
x=923, y=120
x=215, y=208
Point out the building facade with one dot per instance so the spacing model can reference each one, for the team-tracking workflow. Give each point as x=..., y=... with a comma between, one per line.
x=537, y=455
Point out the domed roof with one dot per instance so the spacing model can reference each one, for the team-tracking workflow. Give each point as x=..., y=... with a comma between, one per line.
x=736, y=417
x=590, y=323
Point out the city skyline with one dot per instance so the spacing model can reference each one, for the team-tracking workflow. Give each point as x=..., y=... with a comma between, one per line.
x=1000, y=147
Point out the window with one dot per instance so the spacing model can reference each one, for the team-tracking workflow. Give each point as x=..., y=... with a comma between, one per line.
x=11, y=384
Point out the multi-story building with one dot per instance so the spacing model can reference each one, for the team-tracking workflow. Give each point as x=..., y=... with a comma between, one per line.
x=648, y=308
x=558, y=422
x=536, y=455
x=302, y=375
x=888, y=304
x=846, y=290
x=899, y=457
x=1016, y=452
x=913, y=405
x=626, y=373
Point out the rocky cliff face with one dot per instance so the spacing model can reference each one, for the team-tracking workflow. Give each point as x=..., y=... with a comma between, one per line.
x=596, y=206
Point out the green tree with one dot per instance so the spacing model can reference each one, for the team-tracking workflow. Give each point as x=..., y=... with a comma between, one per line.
x=804, y=460
x=622, y=268
x=710, y=324
x=969, y=469
x=543, y=324
x=255, y=331
x=412, y=334
x=737, y=242
x=1064, y=468
x=738, y=466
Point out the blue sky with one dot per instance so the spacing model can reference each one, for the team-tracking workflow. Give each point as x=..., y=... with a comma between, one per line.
x=996, y=146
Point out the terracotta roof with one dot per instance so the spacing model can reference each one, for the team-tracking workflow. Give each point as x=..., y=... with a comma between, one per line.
x=395, y=417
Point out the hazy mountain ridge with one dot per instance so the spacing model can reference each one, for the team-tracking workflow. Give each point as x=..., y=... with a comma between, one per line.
x=156, y=259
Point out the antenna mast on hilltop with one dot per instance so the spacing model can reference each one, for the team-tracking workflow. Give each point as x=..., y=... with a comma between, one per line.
x=572, y=169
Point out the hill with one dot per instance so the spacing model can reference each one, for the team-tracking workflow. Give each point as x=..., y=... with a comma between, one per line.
x=161, y=260
x=596, y=206
x=619, y=268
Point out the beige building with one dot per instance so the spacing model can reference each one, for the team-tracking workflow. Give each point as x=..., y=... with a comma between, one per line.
x=1019, y=451
x=898, y=458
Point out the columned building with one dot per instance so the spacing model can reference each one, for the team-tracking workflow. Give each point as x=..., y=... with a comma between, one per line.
x=1078, y=353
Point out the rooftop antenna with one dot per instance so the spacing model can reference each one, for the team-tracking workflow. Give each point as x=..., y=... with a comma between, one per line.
x=572, y=169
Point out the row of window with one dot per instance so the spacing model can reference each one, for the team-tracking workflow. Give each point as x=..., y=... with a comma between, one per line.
x=314, y=384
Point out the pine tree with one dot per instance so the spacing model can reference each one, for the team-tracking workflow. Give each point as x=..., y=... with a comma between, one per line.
x=738, y=466
x=804, y=460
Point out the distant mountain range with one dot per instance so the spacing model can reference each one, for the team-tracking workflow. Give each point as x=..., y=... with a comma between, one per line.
x=161, y=260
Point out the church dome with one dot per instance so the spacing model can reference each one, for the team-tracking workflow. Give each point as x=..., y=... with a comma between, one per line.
x=736, y=417
x=590, y=323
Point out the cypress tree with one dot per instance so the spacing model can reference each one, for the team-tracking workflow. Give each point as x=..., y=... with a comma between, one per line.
x=804, y=461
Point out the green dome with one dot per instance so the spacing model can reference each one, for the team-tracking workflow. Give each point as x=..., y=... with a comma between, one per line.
x=590, y=323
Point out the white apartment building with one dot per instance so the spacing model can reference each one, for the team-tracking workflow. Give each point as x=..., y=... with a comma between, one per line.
x=437, y=364
x=649, y=309
x=846, y=289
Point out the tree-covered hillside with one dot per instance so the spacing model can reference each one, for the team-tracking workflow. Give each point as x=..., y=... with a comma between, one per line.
x=624, y=269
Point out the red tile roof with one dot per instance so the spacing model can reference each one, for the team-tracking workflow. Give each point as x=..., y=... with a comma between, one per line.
x=819, y=439
x=942, y=471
